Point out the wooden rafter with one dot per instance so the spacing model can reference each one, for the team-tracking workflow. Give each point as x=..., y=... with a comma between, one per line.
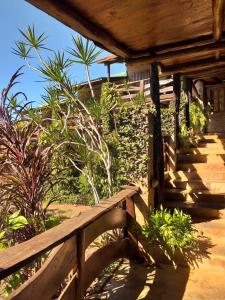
x=199, y=65
x=70, y=16
x=181, y=53
x=210, y=72
x=218, y=18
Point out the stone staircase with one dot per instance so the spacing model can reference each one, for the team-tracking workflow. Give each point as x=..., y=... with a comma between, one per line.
x=198, y=185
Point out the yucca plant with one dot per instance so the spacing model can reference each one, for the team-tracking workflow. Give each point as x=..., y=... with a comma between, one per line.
x=25, y=169
x=83, y=117
x=84, y=52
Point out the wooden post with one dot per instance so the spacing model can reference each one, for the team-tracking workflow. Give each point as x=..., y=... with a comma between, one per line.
x=131, y=218
x=80, y=265
x=187, y=86
x=176, y=89
x=158, y=157
x=108, y=72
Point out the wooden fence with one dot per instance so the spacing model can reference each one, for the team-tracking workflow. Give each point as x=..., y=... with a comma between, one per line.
x=69, y=242
x=131, y=89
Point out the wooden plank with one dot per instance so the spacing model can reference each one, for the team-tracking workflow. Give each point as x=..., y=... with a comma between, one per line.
x=69, y=291
x=111, y=220
x=71, y=16
x=47, y=280
x=18, y=256
x=215, y=86
x=103, y=258
x=210, y=49
x=80, y=265
x=209, y=72
x=133, y=240
x=199, y=66
x=218, y=18
x=166, y=89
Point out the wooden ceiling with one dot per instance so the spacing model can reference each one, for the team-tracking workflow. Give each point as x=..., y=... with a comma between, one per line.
x=182, y=36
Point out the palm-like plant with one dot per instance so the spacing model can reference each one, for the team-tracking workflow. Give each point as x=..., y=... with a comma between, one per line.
x=85, y=53
x=86, y=120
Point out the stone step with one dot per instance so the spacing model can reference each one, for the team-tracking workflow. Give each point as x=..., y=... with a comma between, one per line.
x=211, y=139
x=196, y=195
x=218, y=167
x=218, y=135
x=202, y=158
x=199, y=210
x=202, y=175
x=210, y=149
x=210, y=185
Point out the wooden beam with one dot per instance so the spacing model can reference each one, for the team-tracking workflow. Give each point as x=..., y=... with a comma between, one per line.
x=199, y=65
x=181, y=45
x=218, y=18
x=181, y=53
x=158, y=159
x=68, y=14
x=209, y=72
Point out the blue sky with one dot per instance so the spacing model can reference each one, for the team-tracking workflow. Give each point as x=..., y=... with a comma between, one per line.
x=18, y=14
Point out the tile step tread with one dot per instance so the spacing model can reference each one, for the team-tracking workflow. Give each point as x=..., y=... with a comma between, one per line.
x=193, y=191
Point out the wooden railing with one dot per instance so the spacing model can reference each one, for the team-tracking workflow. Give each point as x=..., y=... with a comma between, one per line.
x=68, y=243
x=131, y=89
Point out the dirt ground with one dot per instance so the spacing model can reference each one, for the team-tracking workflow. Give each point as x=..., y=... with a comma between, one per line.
x=67, y=211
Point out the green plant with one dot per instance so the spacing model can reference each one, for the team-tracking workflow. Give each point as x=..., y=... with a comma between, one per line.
x=170, y=231
x=131, y=144
x=198, y=117
x=167, y=120
x=10, y=224
x=85, y=53
x=74, y=122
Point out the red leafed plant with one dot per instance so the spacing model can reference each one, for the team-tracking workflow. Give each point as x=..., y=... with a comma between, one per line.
x=25, y=171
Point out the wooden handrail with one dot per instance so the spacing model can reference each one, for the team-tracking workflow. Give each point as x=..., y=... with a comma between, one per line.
x=76, y=233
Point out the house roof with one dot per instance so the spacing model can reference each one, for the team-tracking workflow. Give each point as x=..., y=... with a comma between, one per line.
x=182, y=36
x=109, y=59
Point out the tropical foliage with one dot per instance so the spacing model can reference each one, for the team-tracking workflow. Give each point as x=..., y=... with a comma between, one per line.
x=25, y=170
x=170, y=231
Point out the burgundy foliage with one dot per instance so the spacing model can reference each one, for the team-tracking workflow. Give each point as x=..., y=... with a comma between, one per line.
x=25, y=172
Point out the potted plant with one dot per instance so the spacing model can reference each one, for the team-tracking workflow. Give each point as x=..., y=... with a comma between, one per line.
x=171, y=237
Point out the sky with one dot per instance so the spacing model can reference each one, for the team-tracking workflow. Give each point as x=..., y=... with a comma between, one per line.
x=18, y=14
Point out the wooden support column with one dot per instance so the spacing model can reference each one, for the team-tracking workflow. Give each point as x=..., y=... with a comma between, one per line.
x=176, y=90
x=108, y=72
x=158, y=156
x=187, y=86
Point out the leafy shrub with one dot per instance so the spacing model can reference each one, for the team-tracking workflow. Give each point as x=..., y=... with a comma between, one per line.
x=167, y=120
x=198, y=117
x=132, y=140
x=170, y=231
x=10, y=224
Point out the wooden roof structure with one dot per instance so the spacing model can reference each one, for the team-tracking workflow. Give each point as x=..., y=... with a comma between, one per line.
x=182, y=36
x=109, y=59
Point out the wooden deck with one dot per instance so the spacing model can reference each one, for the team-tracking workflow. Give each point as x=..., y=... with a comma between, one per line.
x=202, y=281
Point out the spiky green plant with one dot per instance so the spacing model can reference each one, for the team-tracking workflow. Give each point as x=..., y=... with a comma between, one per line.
x=85, y=53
